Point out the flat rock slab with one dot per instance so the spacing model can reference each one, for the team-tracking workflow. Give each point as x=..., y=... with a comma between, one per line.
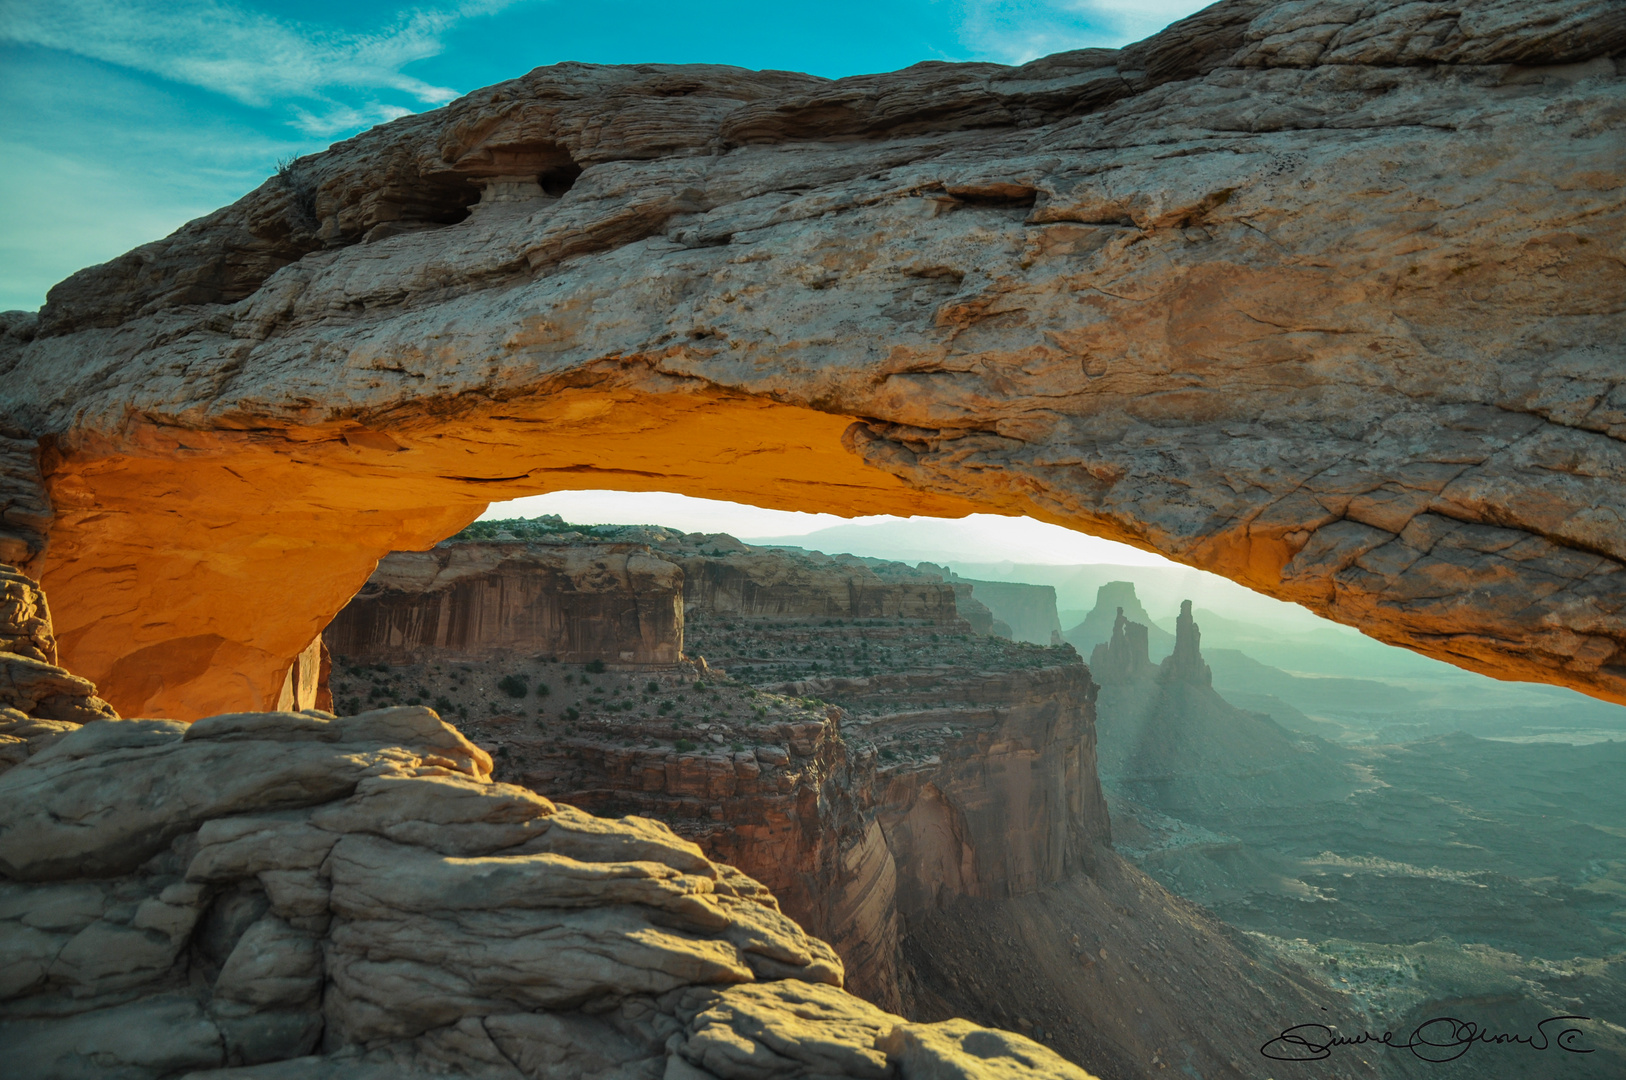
x=228, y=898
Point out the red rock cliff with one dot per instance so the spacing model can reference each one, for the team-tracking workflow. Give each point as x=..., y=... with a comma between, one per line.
x=616, y=603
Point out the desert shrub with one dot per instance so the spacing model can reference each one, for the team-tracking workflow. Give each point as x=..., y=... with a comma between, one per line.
x=541, y=689
x=683, y=745
x=573, y=714
x=513, y=685
x=596, y=666
x=652, y=687
x=666, y=707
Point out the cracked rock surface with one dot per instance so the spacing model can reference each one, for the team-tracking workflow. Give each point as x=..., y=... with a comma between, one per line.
x=297, y=895
x=1326, y=297
x=316, y=896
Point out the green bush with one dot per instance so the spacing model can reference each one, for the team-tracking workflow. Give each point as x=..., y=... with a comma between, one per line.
x=541, y=689
x=652, y=687
x=666, y=707
x=596, y=666
x=513, y=685
x=684, y=745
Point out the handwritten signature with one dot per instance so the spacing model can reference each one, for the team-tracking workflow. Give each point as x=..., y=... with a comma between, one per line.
x=1444, y=1038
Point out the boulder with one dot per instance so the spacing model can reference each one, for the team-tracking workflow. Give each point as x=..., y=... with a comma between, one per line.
x=301, y=895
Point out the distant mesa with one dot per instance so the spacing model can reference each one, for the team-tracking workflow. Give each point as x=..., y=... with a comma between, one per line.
x=1098, y=626
x=1021, y=612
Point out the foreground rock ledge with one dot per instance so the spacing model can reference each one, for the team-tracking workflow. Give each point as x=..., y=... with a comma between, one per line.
x=1327, y=298
x=327, y=897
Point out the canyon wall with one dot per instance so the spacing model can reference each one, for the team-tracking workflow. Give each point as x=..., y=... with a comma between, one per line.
x=987, y=789
x=281, y=894
x=1325, y=298
x=613, y=603
x=922, y=797
x=735, y=579
x=1028, y=610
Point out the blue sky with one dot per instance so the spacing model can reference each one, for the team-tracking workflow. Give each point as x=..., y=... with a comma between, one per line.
x=125, y=118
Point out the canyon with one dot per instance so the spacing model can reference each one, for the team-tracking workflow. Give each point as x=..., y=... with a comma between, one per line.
x=1326, y=298
x=1269, y=293
x=921, y=796
x=295, y=894
x=1436, y=876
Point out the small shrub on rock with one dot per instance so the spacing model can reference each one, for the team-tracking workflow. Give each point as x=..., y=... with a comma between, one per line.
x=513, y=685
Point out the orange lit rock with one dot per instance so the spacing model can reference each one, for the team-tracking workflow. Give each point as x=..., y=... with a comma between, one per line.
x=615, y=602
x=1333, y=309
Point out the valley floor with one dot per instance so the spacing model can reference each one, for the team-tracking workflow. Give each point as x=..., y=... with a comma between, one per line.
x=1475, y=878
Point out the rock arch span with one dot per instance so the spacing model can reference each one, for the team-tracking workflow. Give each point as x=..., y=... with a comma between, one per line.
x=1333, y=308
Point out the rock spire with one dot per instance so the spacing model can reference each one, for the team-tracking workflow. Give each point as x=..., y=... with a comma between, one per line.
x=1185, y=663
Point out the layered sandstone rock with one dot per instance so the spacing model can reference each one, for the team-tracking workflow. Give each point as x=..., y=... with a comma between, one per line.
x=909, y=791
x=39, y=702
x=727, y=579
x=954, y=764
x=295, y=894
x=359, y=887
x=1323, y=297
x=613, y=602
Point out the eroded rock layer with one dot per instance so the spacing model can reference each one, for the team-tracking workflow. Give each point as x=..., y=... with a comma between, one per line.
x=578, y=603
x=1324, y=297
x=295, y=895
x=913, y=792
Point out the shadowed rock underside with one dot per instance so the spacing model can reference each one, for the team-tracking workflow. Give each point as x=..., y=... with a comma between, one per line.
x=1326, y=298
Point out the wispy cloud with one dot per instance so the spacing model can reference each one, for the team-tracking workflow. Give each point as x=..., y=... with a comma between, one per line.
x=1016, y=31
x=252, y=57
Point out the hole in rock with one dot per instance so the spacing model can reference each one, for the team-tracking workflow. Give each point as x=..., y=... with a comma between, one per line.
x=559, y=179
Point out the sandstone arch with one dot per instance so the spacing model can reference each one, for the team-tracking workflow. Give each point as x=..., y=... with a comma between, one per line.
x=1331, y=307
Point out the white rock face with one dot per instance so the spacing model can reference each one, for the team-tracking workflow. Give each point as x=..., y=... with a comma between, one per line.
x=1326, y=297
x=298, y=895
